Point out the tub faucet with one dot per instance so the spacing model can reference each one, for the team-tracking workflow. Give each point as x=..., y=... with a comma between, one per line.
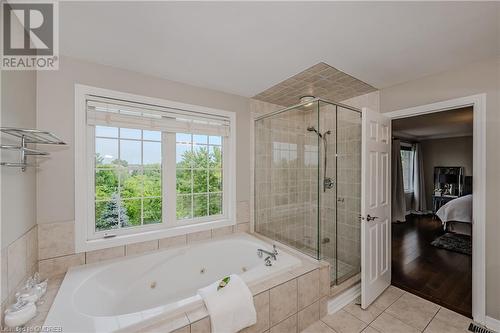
x=267, y=261
x=273, y=254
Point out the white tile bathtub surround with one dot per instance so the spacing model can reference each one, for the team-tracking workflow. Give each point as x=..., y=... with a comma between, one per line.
x=242, y=212
x=270, y=297
x=17, y=255
x=59, y=265
x=308, y=289
x=283, y=301
x=56, y=239
x=199, y=236
x=104, y=254
x=141, y=247
x=219, y=232
x=308, y=316
x=19, y=261
x=243, y=227
x=169, y=242
x=261, y=302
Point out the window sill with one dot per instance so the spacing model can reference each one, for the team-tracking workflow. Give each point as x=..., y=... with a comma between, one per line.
x=104, y=243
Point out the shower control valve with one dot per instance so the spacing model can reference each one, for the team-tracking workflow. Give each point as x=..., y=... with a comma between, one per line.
x=328, y=183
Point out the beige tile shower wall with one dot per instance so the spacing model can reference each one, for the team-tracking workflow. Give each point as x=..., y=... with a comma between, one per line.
x=349, y=183
x=286, y=179
x=328, y=197
x=348, y=192
x=289, y=213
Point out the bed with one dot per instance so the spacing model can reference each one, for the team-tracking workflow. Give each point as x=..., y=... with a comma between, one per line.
x=456, y=215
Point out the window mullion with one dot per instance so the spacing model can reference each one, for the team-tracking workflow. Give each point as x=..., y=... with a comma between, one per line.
x=169, y=202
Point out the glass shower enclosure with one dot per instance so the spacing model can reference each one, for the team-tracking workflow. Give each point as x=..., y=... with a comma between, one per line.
x=307, y=182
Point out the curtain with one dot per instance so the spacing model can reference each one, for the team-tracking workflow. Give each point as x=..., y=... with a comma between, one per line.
x=398, y=206
x=418, y=203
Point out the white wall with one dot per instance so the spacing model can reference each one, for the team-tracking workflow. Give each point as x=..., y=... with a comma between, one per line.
x=55, y=112
x=370, y=101
x=18, y=188
x=483, y=77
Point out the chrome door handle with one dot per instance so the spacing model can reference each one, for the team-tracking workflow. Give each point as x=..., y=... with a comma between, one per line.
x=368, y=217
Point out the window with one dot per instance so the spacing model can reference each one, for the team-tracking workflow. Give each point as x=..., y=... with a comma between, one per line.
x=145, y=170
x=407, y=155
x=128, y=190
x=199, y=175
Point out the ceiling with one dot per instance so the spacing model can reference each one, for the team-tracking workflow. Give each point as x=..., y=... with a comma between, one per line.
x=320, y=80
x=446, y=124
x=247, y=47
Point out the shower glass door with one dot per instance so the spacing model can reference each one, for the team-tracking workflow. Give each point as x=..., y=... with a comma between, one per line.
x=286, y=178
x=307, y=182
x=340, y=195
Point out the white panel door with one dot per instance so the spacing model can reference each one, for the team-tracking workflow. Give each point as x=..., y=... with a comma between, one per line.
x=375, y=206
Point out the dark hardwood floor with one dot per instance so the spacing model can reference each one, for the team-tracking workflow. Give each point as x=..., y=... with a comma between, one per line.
x=441, y=276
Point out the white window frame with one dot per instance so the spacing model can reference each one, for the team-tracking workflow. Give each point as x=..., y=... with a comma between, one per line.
x=86, y=238
x=408, y=145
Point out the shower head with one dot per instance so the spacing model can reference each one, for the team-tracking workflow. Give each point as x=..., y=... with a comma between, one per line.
x=312, y=129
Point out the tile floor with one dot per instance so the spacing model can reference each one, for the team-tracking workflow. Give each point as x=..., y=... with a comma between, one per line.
x=395, y=311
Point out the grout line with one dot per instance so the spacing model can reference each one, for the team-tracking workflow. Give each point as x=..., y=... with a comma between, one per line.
x=432, y=319
x=404, y=292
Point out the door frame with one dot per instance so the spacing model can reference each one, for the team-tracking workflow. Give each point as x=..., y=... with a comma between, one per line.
x=478, y=103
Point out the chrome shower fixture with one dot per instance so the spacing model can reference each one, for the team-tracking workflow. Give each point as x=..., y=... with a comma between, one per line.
x=328, y=182
x=313, y=129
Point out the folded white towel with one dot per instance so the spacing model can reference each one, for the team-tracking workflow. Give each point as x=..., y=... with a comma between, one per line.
x=230, y=307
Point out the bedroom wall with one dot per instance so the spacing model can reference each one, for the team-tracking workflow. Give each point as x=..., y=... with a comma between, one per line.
x=477, y=78
x=445, y=152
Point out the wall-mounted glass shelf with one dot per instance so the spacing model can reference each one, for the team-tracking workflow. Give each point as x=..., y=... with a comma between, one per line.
x=28, y=136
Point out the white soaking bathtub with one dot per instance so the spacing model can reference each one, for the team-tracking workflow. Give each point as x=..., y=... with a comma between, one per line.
x=113, y=296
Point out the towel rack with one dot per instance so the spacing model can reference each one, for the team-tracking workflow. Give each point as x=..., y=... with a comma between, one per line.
x=28, y=136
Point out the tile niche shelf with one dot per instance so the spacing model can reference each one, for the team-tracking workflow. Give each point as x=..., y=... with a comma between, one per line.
x=28, y=136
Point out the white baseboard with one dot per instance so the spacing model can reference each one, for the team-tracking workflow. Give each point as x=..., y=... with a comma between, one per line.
x=343, y=299
x=492, y=323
